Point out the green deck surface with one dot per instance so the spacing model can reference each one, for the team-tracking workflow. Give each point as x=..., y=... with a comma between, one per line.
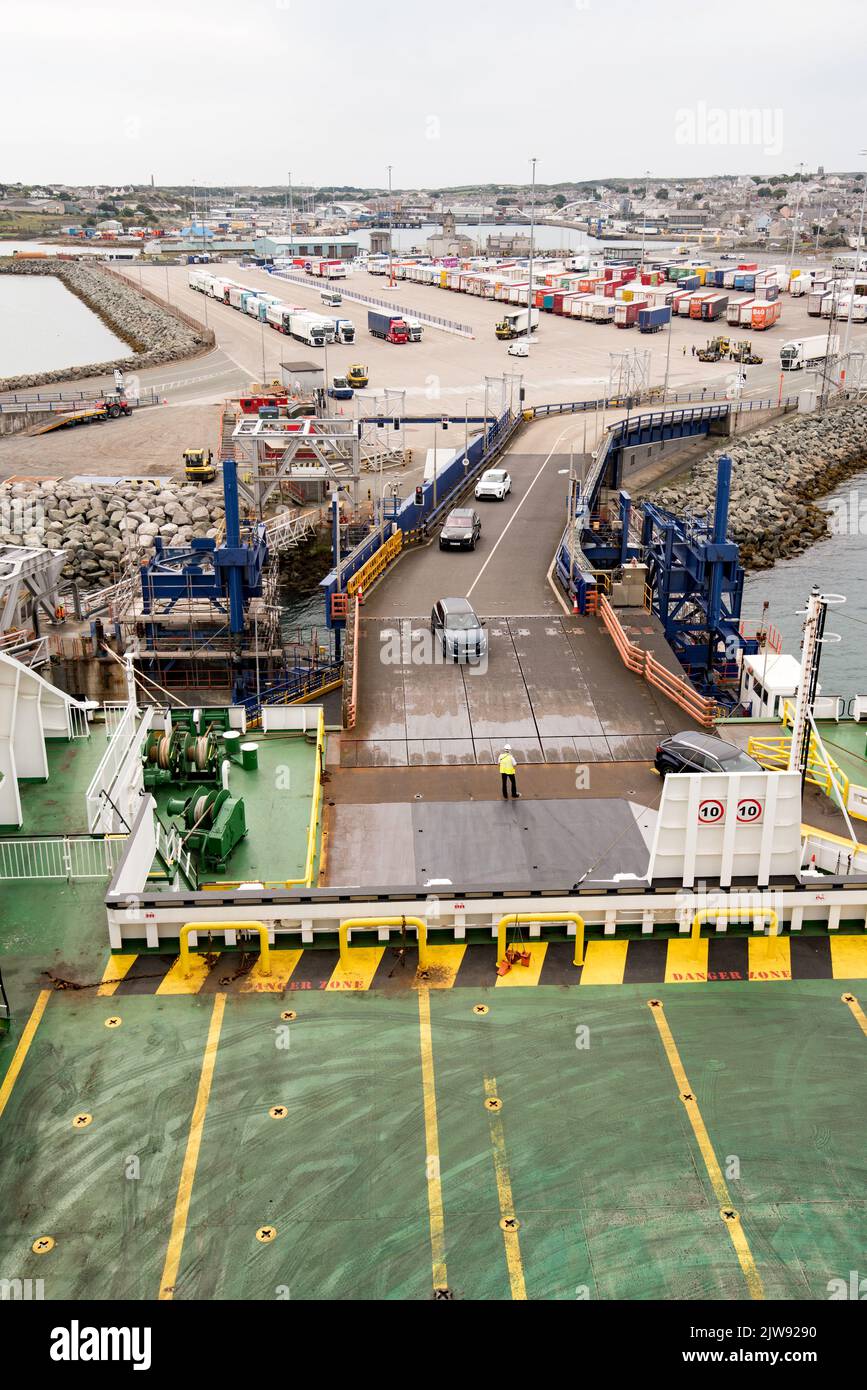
x=607, y=1178
x=277, y=803
x=57, y=806
x=846, y=742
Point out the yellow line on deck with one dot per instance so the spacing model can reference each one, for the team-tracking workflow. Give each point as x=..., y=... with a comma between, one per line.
x=23, y=1047
x=729, y=1216
x=282, y=964
x=511, y=1241
x=849, y=957
x=856, y=1011
x=525, y=974
x=191, y=1157
x=185, y=980
x=769, y=958
x=686, y=961
x=359, y=973
x=604, y=963
x=116, y=968
x=432, y=1144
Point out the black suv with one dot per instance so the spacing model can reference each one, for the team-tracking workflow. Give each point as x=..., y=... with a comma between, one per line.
x=696, y=752
x=461, y=530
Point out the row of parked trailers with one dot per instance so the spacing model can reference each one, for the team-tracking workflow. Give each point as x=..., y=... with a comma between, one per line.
x=602, y=295
x=293, y=319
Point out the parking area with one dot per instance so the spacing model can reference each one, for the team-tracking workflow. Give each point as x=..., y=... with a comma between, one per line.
x=633, y=1141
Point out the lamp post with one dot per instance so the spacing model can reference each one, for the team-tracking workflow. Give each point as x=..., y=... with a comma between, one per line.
x=857, y=262
x=530, y=267
x=390, y=232
x=644, y=224
x=795, y=219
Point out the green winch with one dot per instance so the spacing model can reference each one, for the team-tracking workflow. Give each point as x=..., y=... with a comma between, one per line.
x=214, y=823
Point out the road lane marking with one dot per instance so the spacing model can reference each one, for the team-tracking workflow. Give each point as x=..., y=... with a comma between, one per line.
x=23, y=1047
x=505, y=529
x=191, y=1157
x=432, y=1145
x=728, y=1215
x=508, y=1219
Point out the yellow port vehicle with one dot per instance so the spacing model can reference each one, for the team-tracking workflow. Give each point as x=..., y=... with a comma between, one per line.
x=199, y=466
x=357, y=376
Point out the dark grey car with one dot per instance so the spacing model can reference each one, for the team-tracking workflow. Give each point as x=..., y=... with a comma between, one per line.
x=460, y=633
x=697, y=752
x=462, y=529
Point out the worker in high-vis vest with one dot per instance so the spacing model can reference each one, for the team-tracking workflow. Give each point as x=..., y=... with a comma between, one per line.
x=507, y=771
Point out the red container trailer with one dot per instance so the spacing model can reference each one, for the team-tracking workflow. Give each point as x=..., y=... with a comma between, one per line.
x=695, y=305
x=626, y=312
x=764, y=314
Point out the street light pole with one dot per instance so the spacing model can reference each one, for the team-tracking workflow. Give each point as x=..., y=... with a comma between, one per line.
x=855, y=276
x=644, y=224
x=390, y=232
x=530, y=278
x=667, y=357
x=795, y=218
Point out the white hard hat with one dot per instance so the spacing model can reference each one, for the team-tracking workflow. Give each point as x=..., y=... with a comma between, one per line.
x=507, y=747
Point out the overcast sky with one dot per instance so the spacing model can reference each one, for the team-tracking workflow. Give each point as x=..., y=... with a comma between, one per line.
x=241, y=91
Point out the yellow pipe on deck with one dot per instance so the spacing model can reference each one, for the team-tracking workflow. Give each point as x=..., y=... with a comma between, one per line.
x=543, y=917
x=366, y=923
x=264, y=948
x=753, y=913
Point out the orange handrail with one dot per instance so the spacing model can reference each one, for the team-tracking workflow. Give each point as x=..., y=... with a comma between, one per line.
x=675, y=688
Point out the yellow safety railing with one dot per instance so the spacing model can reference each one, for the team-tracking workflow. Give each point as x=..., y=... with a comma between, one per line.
x=264, y=949
x=517, y=917
x=378, y=561
x=753, y=914
x=774, y=753
x=367, y=923
x=315, y=810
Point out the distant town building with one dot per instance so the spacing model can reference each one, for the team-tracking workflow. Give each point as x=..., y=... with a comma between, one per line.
x=333, y=248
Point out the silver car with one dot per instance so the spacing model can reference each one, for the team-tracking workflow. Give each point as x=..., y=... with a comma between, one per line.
x=459, y=631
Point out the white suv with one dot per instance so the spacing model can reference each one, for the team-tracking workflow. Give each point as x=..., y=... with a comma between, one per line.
x=494, y=483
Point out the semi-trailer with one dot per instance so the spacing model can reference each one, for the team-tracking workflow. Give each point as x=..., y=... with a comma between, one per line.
x=344, y=330
x=738, y=311
x=714, y=306
x=652, y=319
x=220, y=288
x=515, y=321
x=764, y=314
x=807, y=352
x=391, y=327
x=307, y=328
x=626, y=312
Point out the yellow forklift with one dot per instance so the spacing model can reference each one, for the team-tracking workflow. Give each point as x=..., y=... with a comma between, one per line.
x=713, y=350
x=743, y=352
x=357, y=376
x=199, y=466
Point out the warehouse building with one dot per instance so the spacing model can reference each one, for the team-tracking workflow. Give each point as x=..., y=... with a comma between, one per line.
x=333, y=248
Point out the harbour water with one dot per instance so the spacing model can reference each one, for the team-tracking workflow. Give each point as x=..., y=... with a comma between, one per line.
x=544, y=238
x=46, y=327
x=839, y=566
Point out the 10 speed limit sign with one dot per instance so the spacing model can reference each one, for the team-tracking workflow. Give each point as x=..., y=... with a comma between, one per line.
x=750, y=810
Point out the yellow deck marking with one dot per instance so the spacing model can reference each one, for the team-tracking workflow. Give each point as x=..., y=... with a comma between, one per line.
x=604, y=963
x=769, y=958
x=511, y=1240
x=23, y=1046
x=283, y=963
x=849, y=957
x=179, y=982
x=856, y=1011
x=191, y=1157
x=360, y=971
x=116, y=968
x=444, y=962
x=686, y=961
x=728, y=1215
x=432, y=1145
x=526, y=974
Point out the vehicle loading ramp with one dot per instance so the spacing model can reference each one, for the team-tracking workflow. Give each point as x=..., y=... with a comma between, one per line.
x=554, y=688
x=540, y=844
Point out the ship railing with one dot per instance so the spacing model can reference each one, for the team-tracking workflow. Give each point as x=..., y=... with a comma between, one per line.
x=60, y=857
